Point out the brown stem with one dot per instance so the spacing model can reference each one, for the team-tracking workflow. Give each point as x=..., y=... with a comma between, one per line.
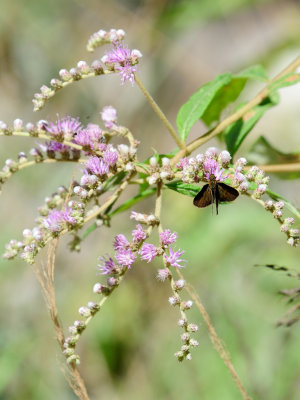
x=291, y=167
x=263, y=94
x=216, y=341
x=160, y=114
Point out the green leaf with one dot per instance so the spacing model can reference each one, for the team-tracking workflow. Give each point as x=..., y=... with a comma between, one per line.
x=237, y=131
x=287, y=80
x=195, y=107
x=230, y=92
x=183, y=188
x=211, y=99
x=289, y=205
x=114, y=181
x=133, y=200
x=256, y=72
x=262, y=152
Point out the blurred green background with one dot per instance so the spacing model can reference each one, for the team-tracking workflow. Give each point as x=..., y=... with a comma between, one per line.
x=127, y=352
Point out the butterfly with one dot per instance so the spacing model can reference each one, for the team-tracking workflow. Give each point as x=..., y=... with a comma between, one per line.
x=214, y=192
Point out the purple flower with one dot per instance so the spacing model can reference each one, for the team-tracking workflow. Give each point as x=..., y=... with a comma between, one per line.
x=54, y=222
x=64, y=128
x=107, y=266
x=183, y=163
x=138, y=234
x=212, y=167
x=55, y=147
x=174, y=258
x=119, y=54
x=167, y=237
x=89, y=136
x=110, y=157
x=148, y=252
x=109, y=116
x=97, y=166
x=125, y=258
x=67, y=216
x=120, y=242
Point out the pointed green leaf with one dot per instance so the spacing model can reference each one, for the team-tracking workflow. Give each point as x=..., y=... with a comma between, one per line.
x=183, y=188
x=237, y=132
x=132, y=201
x=287, y=80
x=195, y=107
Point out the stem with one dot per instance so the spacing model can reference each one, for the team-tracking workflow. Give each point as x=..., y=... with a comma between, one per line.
x=263, y=94
x=291, y=167
x=216, y=341
x=160, y=114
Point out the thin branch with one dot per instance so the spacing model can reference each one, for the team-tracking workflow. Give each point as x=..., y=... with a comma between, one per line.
x=160, y=113
x=263, y=94
x=216, y=341
x=291, y=167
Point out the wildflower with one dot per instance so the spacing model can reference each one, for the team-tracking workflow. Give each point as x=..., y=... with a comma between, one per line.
x=212, y=167
x=174, y=258
x=97, y=166
x=167, y=237
x=106, y=266
x=125, y=258
x=110, y=156
x=148, y=252
x=64, y=128
x=54, y=222
x=109, y=116
x=138, y=234
x=123, y=60
x=163, y=274
x=120, y=242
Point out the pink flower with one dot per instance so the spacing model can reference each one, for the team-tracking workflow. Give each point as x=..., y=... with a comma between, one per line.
x=212, y=167
x=64, y=128
x=109, y=116
x=138, y=234
x=97, y=166
x=174, y=258
x=120, y=242
x=54, y=222
x=167, y=237
x=148, y=252
x=107, y=266
x=125, y=258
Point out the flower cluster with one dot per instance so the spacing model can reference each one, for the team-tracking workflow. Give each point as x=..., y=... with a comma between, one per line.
x=122, y=59
x=160, y=170
x=118, y=59
x=102, y=37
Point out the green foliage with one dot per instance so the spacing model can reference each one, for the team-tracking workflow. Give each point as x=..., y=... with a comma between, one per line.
x=263, y=152
x=183, y=188
x=235, y=134
x=213, y=97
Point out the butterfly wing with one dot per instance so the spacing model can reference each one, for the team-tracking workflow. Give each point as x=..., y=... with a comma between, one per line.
x=226, y=192
x=204, y=198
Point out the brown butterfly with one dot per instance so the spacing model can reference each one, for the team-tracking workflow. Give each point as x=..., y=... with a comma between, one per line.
x=215, y=191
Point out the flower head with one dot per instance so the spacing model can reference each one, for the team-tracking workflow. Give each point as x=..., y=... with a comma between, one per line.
x=107, y=265
x=125, y=258
x=120, y=242
x=148, y=252
x=167, y=237
x=54, y=222
x=124, y=60
x=212, y=167
x=97, y=166
x=64, y=128
x=138, y=234
x=109, y=116
x=174, y=258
